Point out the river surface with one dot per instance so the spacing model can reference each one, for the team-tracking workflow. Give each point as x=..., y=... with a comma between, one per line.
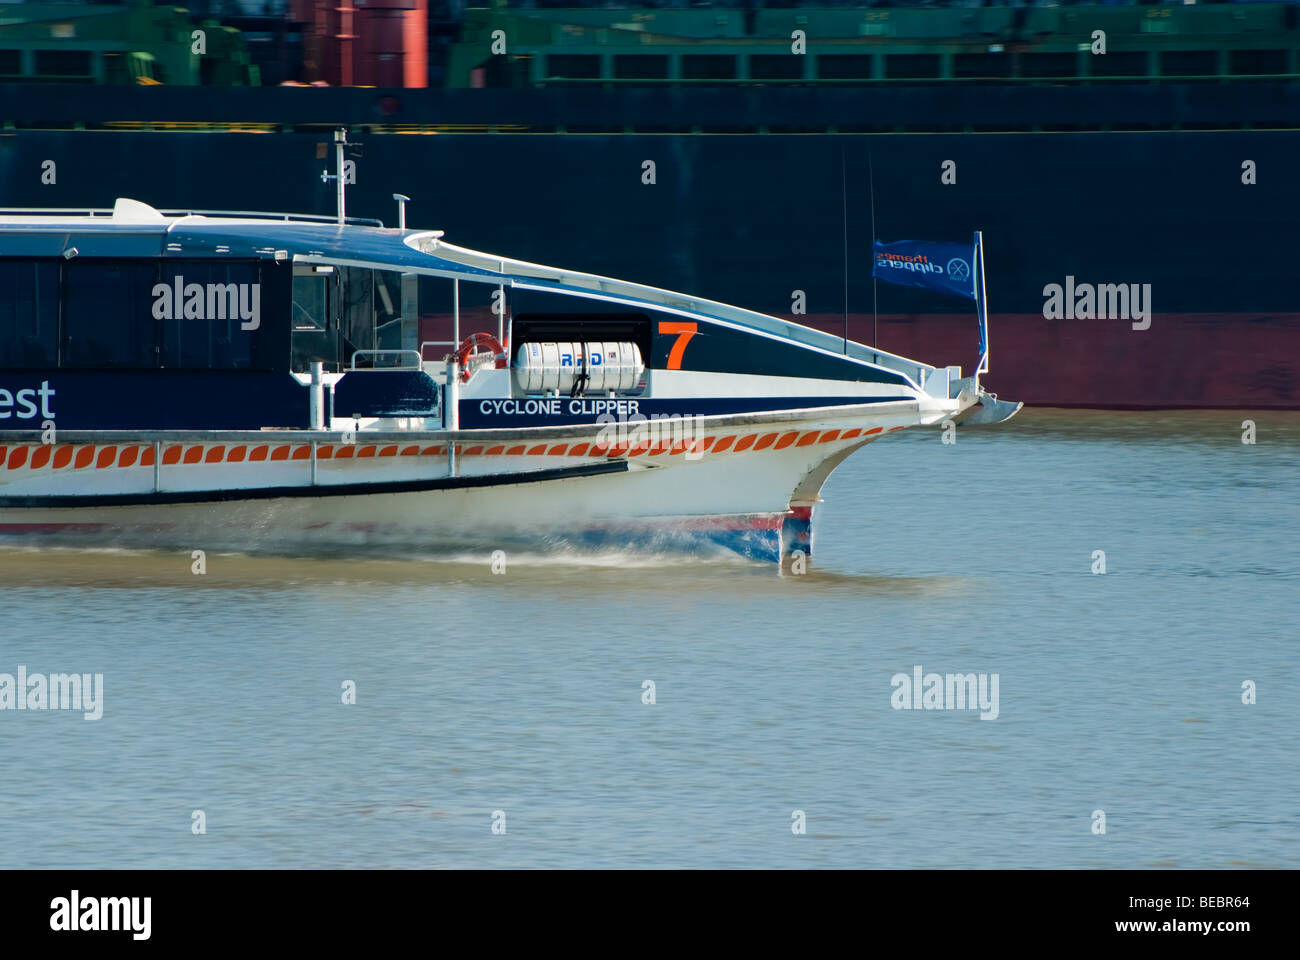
x=518, y=699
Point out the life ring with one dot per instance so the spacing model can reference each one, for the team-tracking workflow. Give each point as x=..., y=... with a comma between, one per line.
x=477, y=343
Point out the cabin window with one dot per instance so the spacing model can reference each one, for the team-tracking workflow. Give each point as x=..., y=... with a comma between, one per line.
x=389, y=315
x=314, y=300
x=358, y=313
x=29, y=314
x=311, y=297
x=209, y=312
x=108, y=318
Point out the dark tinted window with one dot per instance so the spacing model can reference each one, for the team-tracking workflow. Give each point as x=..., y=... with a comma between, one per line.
x=708, y=66
x=970, y=65
x=1048, y=64
x=1119, y=63
x=640, y=66
x=1189, y=63
x=844, y=66
x=358, y=317
x=108, y=318
x=63, y=63
x=210, y=314
x=911, y=66
x=29, y=313
x=388, y=309
x=579, y=66
x=1246, y=62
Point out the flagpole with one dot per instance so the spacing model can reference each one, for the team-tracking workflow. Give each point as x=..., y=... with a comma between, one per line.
x=983, y=366
x=844, y=187
x=875, y=316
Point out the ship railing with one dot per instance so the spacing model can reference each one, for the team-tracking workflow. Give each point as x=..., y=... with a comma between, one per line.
x=107, y=213
x=398, y=355
x=437, y=368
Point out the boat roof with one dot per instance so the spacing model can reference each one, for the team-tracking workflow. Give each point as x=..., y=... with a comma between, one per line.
x=367, y=243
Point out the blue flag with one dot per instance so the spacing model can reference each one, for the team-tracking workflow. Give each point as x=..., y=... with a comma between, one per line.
x=946, y=267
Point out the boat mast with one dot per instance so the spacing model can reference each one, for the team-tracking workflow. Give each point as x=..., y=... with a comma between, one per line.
x=340, y=141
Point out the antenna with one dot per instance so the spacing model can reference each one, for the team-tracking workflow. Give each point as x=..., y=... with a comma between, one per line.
x=340, y=141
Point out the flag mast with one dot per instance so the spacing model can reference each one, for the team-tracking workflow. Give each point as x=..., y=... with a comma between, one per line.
x=983, y=311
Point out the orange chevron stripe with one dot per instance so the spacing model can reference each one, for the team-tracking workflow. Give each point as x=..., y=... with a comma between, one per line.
x=281, y=452
x=84, y=456
x=514, y=451
x=473, y=451
x=873, y=430
x=579, y=449
x=62, y=456
x=724, y=443
x=410, y=451
x=146, y=456
x=41, y=456
x=744, y=443
x=302, y=452
x=808, y=439
x=128, y=457
x=786, y=440
x=17, y=458
x=828, y=436
x=850, y=434
x=387, y=452
x=215, y=454
x=366, y=451
x=765, y=441
x=495, y=451
x=558, y=450
x=325, y=451
x=171, y=455
x=237, y=454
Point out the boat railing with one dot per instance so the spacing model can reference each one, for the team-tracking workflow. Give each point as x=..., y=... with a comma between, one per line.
x=107, y=213
x=435, y=343
x=396, y=354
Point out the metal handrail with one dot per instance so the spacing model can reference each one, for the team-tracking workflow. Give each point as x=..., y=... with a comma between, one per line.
x=254, y=214
x=435, y=343
x=419, y=359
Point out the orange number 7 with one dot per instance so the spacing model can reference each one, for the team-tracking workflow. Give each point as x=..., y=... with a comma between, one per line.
x=684, y=333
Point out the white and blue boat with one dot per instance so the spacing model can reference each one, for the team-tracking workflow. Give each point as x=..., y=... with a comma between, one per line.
x=258, y=381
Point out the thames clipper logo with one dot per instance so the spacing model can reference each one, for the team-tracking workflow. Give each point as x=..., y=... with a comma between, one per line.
x=213, y=301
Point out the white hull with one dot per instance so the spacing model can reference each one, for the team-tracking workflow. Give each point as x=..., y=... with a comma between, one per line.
x=704, y=481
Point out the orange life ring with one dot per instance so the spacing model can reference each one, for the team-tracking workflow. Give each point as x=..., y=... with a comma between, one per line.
x=472, y=344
